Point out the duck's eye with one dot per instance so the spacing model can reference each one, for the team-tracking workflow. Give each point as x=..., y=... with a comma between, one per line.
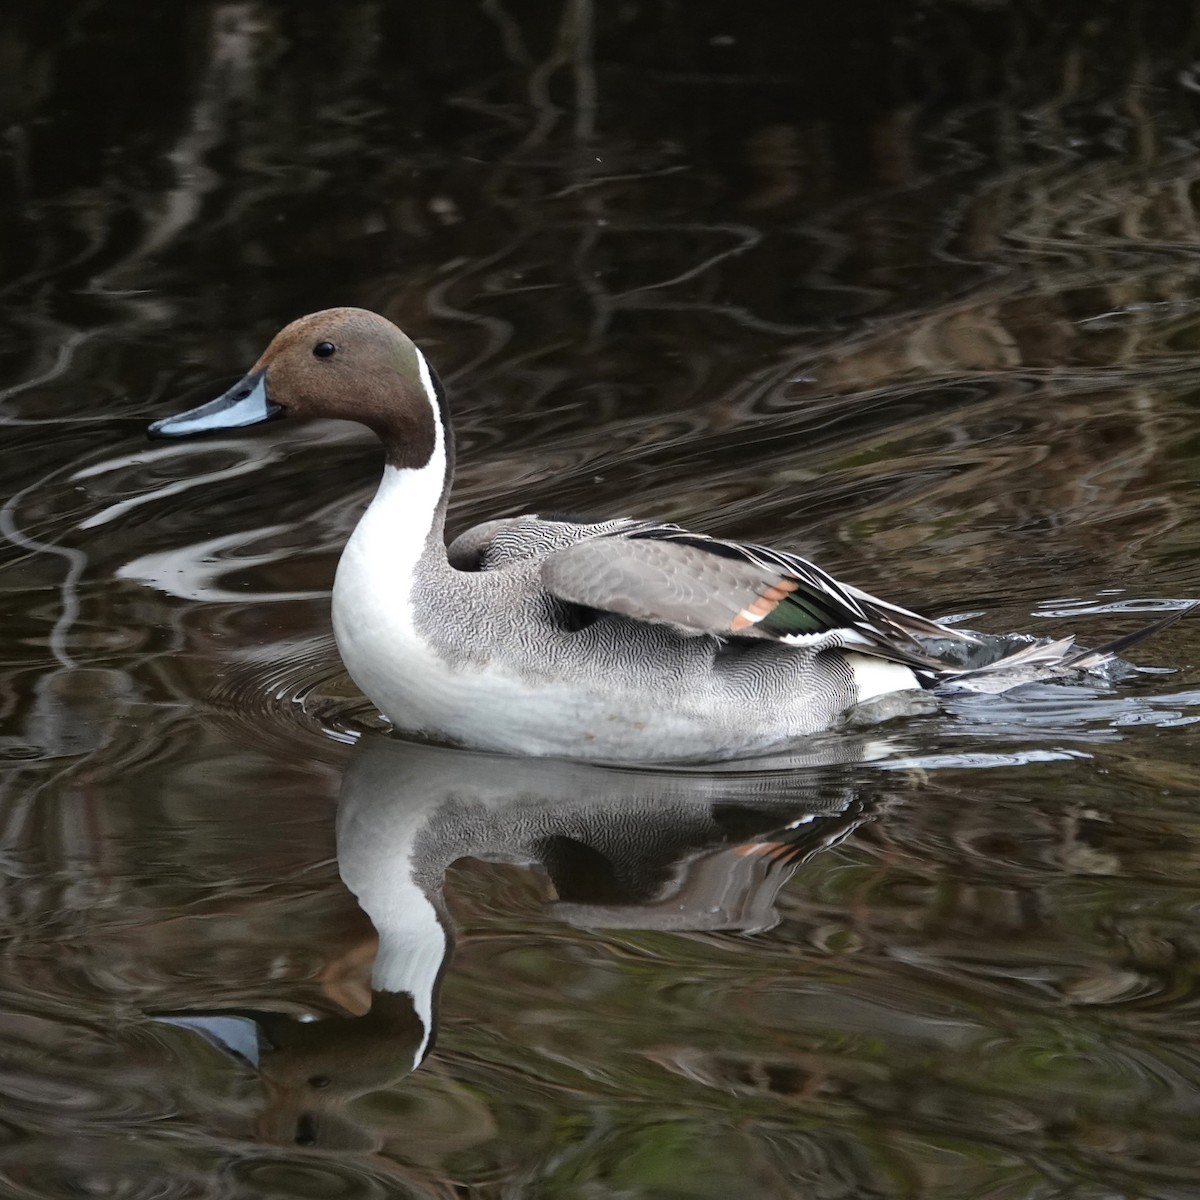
x=324, y=350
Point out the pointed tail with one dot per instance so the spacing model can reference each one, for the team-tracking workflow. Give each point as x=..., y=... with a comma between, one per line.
x=1051, y=661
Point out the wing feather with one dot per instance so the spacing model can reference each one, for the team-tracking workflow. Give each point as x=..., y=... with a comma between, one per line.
x=666, y=575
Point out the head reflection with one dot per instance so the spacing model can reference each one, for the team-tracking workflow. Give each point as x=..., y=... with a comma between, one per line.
x=684, y=850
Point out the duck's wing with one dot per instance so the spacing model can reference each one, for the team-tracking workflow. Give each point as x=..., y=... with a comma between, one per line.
x=494, y=544
x=470, y=550
x=666, y=575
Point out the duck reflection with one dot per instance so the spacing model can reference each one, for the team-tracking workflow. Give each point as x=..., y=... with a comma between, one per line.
x=621, y=848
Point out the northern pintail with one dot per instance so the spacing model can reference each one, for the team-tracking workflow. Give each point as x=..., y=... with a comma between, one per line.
x=622, y=640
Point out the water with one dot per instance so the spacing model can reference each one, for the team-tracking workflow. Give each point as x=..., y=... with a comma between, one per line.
x=910, y=288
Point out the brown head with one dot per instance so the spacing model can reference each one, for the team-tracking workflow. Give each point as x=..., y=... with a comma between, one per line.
x=346, y=363
x=315, y=1070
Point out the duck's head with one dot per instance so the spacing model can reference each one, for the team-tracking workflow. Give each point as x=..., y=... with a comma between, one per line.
x=346, y=363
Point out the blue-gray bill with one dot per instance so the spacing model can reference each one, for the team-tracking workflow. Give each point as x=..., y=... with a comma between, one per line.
x=246, y=403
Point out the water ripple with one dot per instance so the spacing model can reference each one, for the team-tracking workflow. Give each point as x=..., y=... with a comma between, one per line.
x=295, y=695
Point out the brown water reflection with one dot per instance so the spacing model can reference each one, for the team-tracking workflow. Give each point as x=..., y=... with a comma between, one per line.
x=909, y=287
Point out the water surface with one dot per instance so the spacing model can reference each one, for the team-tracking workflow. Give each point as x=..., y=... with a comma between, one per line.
x=909, y=288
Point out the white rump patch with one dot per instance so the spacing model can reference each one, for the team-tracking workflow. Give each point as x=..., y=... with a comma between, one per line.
x=876, y=677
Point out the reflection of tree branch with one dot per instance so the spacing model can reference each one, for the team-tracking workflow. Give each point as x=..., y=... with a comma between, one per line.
x=59, y=343
x=510, y=33
x=572, y=47
x=76, y=561
x=228, y=76
x=749, y=236
x=584, y=67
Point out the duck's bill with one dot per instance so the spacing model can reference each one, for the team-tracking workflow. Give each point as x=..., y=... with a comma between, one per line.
x=245, y=403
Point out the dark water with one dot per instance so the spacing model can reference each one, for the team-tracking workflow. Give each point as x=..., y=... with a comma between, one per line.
x=911, y=287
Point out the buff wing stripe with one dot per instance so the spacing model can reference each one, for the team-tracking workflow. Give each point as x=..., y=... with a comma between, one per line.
x=764, y=604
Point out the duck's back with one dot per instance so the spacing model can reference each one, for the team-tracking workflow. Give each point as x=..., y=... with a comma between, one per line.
x=493, y=544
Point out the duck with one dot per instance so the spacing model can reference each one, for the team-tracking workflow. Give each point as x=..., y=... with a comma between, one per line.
x=624, y=639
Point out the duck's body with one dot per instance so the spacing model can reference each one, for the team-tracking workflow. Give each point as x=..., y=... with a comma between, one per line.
x=624, y=640
x=490, y=658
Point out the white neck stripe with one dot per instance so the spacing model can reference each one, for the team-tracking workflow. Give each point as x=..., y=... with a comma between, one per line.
x=427, y=384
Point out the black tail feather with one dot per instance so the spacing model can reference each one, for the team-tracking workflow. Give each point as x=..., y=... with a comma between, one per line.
x=1082, y=659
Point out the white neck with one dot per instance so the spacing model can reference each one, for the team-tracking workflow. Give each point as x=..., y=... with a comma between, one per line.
x=412, y=946
x=377, y=860
x=404, y=512
x=409, y=501
x=396, y=529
